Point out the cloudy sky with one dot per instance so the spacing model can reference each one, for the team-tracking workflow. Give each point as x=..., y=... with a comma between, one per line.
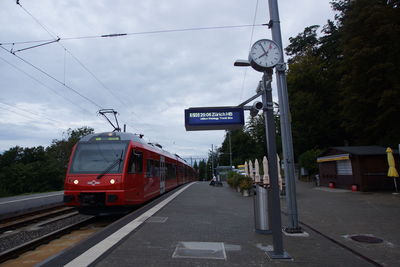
x=149, y=76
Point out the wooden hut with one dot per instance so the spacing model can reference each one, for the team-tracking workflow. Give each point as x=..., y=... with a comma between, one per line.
x=361, y=168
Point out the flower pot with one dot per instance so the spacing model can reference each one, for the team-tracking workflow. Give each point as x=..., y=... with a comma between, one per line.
x=246, y=193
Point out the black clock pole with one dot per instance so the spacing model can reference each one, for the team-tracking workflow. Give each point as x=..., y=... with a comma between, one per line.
x=276, y=221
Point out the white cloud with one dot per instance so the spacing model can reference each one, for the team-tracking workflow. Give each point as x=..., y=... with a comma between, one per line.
x=152, y=77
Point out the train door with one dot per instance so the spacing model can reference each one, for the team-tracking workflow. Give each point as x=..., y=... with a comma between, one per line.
x=134, y=176
x=162, y=174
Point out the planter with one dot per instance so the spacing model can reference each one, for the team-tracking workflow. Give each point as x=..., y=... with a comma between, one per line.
x=246, y=193
x=238, y=189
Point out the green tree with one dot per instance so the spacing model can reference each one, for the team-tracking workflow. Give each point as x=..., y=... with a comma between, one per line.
x=36, y=169
x=202, y=170
x=313, y=85
x=308, y=160
x=370, y=87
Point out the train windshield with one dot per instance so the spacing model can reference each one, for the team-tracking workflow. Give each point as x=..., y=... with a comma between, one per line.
x=99, y=157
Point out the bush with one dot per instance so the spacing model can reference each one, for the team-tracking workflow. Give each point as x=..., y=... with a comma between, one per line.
x=308, y=160
x=246, y=183
x=234, y=179
x=230, y=178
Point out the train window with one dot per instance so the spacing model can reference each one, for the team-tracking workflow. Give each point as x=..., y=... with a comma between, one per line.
x=99, y=157
x=156, y=168
x=136, y=162
x=171, y=171
x=150, y=168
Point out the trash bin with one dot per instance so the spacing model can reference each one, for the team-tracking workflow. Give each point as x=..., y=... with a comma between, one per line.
x=262, y=208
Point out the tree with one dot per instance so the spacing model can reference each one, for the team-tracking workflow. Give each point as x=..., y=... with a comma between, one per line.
x=37, y=169
x=303, y=44
x=370, y=88
x=202, y=170
x=313, y=85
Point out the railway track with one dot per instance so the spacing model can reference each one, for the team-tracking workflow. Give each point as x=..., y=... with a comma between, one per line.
x=18, y=221
x=26, y=232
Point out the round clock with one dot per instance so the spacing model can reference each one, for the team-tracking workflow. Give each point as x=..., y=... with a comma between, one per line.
x=264, y=54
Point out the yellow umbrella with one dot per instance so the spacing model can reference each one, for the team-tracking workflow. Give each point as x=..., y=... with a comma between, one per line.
x=392, y=172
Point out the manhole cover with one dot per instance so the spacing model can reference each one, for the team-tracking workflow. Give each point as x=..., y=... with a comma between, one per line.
x=200, y=250
x=366, y=239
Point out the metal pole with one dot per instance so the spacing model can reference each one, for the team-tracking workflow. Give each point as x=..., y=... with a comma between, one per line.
x=212, y=161
x=276, y=221
x=286, y=130
x=230, y=149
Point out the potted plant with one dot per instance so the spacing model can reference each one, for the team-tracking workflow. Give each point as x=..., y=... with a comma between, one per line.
x=245, y=185
x=231, y=179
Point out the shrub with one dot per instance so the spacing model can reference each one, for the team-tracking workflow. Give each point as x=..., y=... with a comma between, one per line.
x=308, y=160
x=246, y=183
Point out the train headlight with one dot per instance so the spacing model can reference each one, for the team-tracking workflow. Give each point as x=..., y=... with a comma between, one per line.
x=76, y=182
x=112, y=181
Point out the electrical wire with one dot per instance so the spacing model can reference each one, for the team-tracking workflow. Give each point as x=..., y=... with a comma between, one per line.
x=29, y=112
x=56, y=37
x=53, y=78
x=139, y=33
x=251, y=41
x=44, y=85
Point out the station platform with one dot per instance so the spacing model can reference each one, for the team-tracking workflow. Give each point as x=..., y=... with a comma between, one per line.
x=202, y=225
x=19, y=205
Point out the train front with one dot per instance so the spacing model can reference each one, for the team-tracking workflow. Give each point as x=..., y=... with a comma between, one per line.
x=94, y=179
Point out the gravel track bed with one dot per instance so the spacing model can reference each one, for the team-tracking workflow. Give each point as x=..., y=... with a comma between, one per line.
x=10, y=240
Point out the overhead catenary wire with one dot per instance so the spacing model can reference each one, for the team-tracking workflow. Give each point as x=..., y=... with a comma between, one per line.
x=138, y=33
x=57, y=39
x=53, y=78
x=45, y=85
x=142, y=33
x=27, y=112
x=251, y=41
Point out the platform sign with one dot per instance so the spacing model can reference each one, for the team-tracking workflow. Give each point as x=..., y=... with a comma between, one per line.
x=214, y=118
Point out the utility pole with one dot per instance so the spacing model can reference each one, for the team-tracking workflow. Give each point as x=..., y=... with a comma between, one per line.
x=286, y=129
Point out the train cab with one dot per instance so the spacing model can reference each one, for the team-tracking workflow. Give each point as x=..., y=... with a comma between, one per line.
x=117, y=169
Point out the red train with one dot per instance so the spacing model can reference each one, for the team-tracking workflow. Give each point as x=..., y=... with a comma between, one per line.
x=117, y=170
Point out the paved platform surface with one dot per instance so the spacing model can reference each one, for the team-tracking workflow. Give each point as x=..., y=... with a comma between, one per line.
x=203, y=219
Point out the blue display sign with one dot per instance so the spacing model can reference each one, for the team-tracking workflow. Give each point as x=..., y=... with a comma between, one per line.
x=214, y=118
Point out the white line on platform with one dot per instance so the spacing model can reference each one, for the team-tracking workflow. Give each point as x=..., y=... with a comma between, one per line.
x=97, y=250
x=24, y=199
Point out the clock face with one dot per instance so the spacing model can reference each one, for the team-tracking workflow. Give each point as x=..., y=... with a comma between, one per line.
x=265, y=53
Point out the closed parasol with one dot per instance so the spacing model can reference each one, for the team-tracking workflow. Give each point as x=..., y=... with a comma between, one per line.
x=251, y=169
x=266, y=171
x=278, y=160
x=257, y=171
x=392, y=172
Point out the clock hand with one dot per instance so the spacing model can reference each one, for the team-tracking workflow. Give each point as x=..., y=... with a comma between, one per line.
x=266, y=53
x=263, y=49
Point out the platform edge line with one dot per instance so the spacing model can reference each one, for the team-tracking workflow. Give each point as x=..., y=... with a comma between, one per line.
x=100, y=248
